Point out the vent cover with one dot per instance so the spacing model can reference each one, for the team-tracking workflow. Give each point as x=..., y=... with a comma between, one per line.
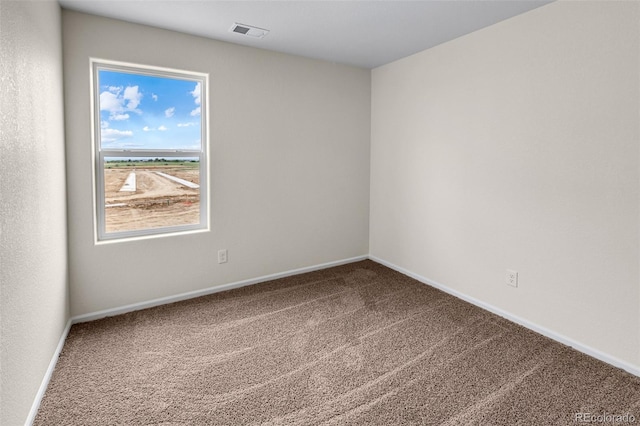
x=248, y=30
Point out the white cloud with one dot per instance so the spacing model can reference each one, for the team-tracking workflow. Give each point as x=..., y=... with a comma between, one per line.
x=112, y=135
x=191, y=123
x=196, y=93
x=154, y=97
x=169, y=112
x=104, y=124
x=153, y=129
x=119, y=102
x=133, y=97
x=111, y=102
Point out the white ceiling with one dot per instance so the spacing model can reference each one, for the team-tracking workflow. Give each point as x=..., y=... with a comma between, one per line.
x=361, y=33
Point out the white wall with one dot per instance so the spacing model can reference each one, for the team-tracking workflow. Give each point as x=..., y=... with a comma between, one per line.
x=33, y=242
x=516, y=147
x=289, y=150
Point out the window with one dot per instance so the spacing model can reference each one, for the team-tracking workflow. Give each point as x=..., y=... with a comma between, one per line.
x=150, y=139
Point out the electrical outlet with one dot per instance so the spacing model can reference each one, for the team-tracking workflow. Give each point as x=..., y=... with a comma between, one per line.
x=512, y=278
x=222, y=256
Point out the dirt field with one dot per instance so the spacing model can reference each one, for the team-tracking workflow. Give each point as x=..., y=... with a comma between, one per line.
x=157, y=201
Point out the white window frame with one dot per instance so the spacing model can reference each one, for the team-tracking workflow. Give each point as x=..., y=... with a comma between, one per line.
x=100, y=153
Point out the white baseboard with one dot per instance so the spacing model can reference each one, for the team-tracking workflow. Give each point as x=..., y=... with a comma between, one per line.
x=204, y=292
x=633, y=369
x=47, y=376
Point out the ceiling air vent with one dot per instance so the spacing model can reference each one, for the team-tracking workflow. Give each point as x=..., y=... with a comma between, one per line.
x=248, y=30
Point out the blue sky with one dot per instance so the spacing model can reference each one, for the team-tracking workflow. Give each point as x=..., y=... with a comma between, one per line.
x=145, y=112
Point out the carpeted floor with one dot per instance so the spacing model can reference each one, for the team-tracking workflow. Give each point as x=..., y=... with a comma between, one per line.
x=356, y=344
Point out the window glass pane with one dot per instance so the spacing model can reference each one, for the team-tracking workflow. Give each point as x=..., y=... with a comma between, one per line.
x=151, y=192
x=139, y=111
x=150, y=150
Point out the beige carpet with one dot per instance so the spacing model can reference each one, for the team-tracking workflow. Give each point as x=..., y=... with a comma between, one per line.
x=356, y=344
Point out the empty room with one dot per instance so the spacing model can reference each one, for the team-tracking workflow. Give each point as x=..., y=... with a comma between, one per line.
x=319, y=212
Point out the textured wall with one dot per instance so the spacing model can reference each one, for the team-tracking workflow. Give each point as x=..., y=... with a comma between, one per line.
x=289, y=166
x=516, y=147
x=33, y=242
